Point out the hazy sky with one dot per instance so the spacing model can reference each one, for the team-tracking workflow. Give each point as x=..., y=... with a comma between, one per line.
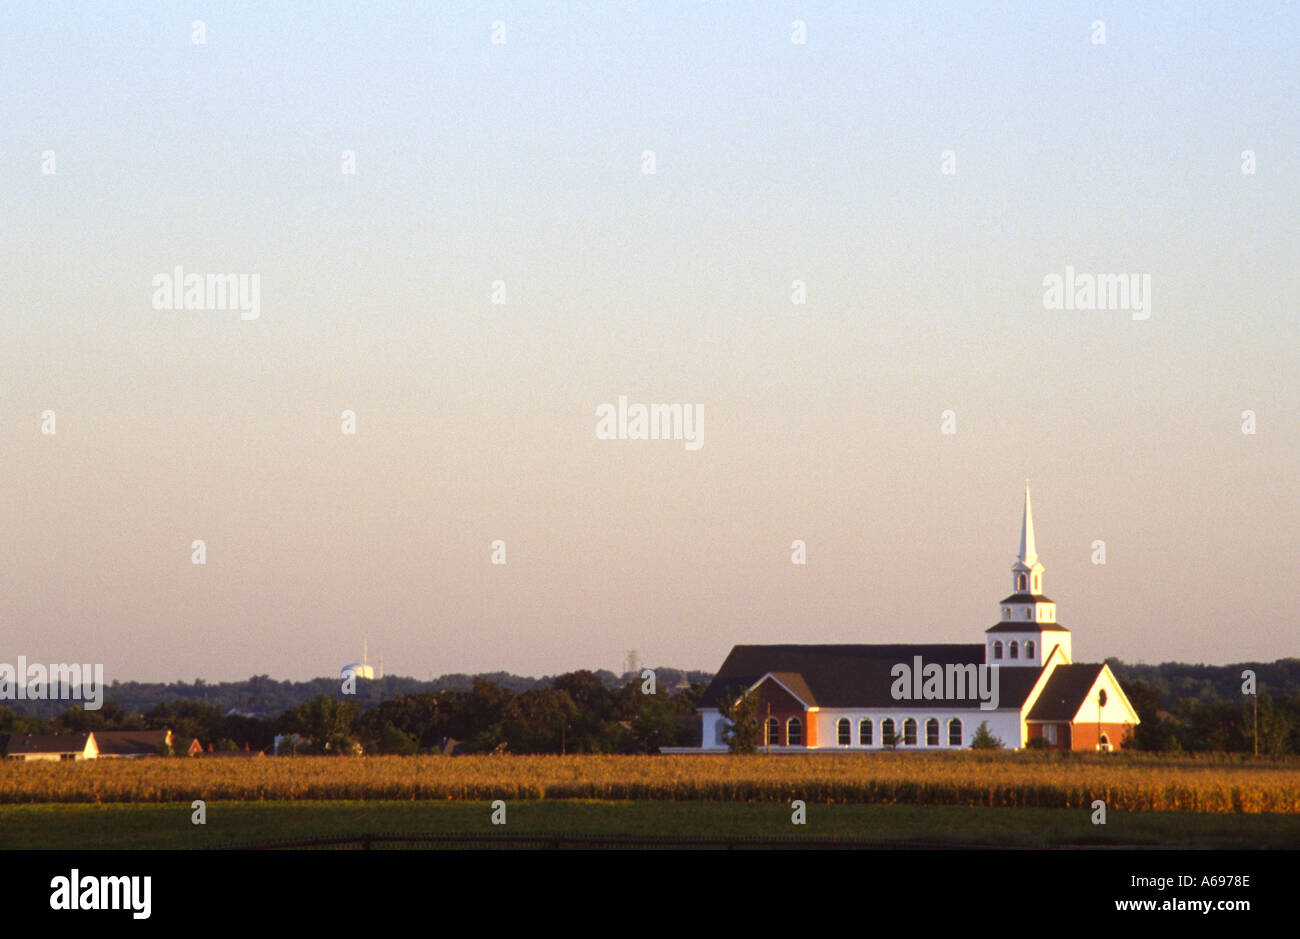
x=523, y=162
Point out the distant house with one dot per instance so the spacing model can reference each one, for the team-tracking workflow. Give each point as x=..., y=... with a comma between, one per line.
x=51, y=747
x=447, y=746
x=131, y=744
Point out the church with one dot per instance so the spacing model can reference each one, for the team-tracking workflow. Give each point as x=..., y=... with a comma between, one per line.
x=1022, y=681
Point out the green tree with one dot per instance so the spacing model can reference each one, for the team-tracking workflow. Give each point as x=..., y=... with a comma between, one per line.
x=538, y=721
x=392, y=740
x=188, y=720
x=1274, y=729
x=594, y=726
x=740, y=708
x=984, y=739
x=1151, y=733
x=656, y=723
x=327, y=721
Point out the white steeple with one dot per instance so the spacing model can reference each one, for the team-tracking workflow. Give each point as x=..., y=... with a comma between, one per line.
x=1027, y=573
x=1028, y=552
x=1027, y=633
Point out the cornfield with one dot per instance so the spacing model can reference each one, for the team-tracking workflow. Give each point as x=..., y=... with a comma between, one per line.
x=1125, y=782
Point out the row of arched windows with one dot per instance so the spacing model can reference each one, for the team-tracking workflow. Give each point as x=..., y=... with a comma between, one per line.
x=867, y=732
x=793, y=732
x=1013, y=649
x=889, y=732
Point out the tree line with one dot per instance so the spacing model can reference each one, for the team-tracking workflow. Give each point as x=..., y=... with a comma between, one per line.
x=1181, y=707
x=577, y=712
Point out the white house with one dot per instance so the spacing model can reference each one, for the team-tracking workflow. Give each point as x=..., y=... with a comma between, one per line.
x=53, y=747
x=1021, y=680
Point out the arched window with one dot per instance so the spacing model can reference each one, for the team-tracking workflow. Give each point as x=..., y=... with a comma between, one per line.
x=887, y=734
x=1020, y=582
x=997, y=650
x=954, y=732
x=1006, y=612
x=864, y=732
x=1035, y=583
x=844, y=731
x=773, y=732
x=932, y=732
x=794, y=732
x=1029, y=648
x=1013, y=651
x=909, y=732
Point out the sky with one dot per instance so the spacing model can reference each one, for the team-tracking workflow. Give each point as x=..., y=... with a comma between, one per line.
x=919, y=173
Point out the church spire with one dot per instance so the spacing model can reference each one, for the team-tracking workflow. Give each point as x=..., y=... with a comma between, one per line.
x=1028, y=552
x=1027, y=634
x=1027, y=572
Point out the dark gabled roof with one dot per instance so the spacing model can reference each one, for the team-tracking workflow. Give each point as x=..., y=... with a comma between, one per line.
x=128, y=742
x=47, y=743
x=1028, y=626
x=798, y=687
x=1026, y=598
x=858, y=676
x=1064, y=694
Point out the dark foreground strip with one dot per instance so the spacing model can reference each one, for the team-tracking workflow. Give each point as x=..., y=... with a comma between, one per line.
x=369, y=841
x=302, y=886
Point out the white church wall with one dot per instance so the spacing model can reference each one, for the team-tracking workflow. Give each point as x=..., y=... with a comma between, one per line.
x=712, y=723
x=1004, y=724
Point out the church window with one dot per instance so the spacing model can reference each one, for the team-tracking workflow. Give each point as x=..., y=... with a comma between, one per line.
x=909, y=732
x=1006, y=612
x=844, y=731
x=932, y=732
x=1013, y=651
x=1029, y=649
x=1029, y=614
x=773, y=732
x=1036, y=588
x=887, y=735
x=864, y=732
x=794, y=732
x=1020, y=582
x=997, y=650
x=954, y=732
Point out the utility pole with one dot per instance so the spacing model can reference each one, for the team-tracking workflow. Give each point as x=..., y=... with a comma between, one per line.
x=1254, y=706
x=1101, y=703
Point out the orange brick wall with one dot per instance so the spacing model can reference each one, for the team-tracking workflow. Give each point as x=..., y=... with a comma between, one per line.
x=1085, y=735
